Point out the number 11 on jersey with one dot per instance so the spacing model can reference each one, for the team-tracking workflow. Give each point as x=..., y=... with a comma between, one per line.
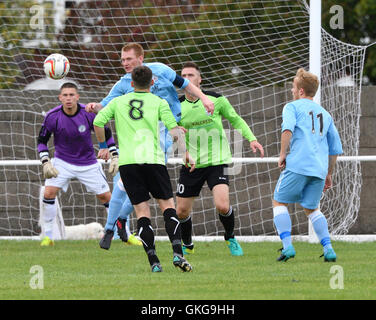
x=313, y=122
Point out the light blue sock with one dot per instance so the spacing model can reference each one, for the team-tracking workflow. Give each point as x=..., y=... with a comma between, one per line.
x=320, y=225
x=126, y=209
x=282, y=222
x=118, y=196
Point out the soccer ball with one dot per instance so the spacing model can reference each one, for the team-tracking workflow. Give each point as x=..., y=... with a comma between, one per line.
x=56, y=66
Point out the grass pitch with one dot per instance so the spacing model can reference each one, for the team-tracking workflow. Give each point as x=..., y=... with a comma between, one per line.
x=80, y=270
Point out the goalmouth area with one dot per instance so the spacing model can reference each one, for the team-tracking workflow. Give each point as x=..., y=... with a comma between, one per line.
x=23, y=182
x=249, y=51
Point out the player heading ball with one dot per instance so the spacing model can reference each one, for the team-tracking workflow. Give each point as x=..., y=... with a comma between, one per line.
x=142, y=162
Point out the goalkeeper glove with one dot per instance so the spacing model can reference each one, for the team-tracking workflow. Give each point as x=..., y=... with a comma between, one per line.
x=114, y=164
x=49, y=171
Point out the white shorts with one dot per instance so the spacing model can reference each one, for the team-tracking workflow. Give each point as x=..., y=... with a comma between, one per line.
x=91, y=176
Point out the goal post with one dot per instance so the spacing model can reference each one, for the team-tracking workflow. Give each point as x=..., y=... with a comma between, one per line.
x=315, y=67
x=247, y=50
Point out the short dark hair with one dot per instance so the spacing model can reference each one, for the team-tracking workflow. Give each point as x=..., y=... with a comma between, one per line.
x=141, y=77
x=191, y=64
x=68, y=85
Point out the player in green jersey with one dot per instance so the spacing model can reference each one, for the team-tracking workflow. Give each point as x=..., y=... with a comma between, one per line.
x=207, y=143
x=142, y=162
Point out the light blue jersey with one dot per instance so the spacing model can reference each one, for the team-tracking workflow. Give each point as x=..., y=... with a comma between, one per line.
x=314, y=138
x=165, y=80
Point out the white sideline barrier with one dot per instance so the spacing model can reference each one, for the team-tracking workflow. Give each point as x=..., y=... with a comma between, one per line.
x=179, y=161
x=345, y=238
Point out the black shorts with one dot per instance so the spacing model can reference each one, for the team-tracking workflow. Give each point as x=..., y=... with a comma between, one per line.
x=190, y=183
x=141, y=179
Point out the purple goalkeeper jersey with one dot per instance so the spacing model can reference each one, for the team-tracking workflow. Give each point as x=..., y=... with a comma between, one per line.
x=72, y=136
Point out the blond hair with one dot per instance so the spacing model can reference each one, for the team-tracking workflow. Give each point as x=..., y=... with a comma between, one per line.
x=307, y=81
x=139, y=51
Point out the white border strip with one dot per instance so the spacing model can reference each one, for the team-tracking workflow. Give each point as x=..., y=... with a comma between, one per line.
x=345, y=238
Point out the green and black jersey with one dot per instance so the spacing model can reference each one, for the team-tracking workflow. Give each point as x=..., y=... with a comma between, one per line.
x=137, y=116
x=206, y=139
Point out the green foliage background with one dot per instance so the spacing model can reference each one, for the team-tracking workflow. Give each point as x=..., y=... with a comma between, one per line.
x=178, y=30
x=359, y=28
x=15, y=17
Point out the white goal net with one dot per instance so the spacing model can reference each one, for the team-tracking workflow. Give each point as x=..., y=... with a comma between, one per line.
x=248, y=51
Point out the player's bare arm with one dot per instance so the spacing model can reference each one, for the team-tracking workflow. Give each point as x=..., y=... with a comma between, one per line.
x=196, y=92
x=328, y=179
x=93, y=107
x=103, y=152
x=255, y=145
x=285, y=142
x=178, y=135
x=189, y=162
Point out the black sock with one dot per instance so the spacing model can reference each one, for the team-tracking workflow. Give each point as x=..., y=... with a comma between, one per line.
x=172, y=226
x=146, y=233
x=228, y=222
x=186, y=232
x=49, y=201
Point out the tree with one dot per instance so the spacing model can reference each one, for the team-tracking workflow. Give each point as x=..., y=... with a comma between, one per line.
x=359, y=28
x=175, y=31
x=19, y=25
x=224, y=44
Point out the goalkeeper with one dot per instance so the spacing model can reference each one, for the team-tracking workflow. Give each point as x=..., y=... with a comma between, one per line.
x=206, y=142
x=74, y=155
x=165, y=80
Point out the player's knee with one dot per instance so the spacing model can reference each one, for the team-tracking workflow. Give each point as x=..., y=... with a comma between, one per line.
x=182, y=211
x=309, y=211
x=104, y=197
x=50, y=193
x=277, y=204
x=222, y=208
